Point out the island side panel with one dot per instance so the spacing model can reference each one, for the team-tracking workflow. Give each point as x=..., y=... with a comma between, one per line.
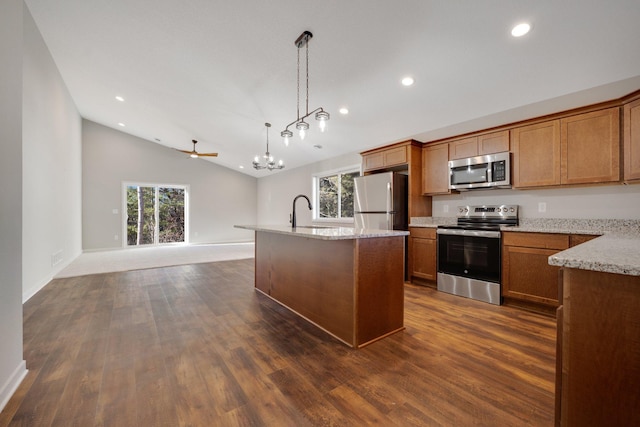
x=601, y=349
x=262, y=263
x=380, y=287
x=312, y=277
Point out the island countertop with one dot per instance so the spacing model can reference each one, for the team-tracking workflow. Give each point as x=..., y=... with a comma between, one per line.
x=325, y=232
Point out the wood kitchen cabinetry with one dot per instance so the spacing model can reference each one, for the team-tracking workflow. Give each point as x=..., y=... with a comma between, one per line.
x=488, y=143
x=590, y=145
x=423, y=249
x=527, y=278
x=435, y=169
x=385, y=158
x=632, y=141
x=536, y=155
x=403, y=156
x=598, y=377
x=579, y=149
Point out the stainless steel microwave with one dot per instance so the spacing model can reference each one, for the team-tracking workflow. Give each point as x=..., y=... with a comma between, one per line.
x=489, y=171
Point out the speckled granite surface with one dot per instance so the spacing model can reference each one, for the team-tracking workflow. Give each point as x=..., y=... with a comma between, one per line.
x=577, y=226
x=616, y=251
x=611, y=253
x=430, y=221
x=325, y=233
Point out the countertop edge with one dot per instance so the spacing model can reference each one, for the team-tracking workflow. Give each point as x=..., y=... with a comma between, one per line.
x=326, y=233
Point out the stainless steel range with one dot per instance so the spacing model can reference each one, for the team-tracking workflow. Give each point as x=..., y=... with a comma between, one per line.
x=469, y=253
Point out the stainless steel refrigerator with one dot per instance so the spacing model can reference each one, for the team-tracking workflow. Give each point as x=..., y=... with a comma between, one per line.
x=380, y=201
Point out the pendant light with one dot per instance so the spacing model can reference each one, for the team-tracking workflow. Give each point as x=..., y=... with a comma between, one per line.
x=322, y=116
x=269, y=162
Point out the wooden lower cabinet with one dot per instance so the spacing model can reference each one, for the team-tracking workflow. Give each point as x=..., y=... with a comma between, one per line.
x=527, y=277
x=422, y=253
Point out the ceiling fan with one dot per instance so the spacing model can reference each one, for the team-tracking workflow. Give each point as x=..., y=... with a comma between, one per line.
x=194, y=154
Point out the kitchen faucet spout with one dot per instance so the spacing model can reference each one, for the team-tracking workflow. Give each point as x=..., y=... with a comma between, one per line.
x=293, y=215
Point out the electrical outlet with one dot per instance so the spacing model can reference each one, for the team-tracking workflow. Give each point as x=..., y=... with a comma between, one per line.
x=115, y=237
x=445, y=208
x=114, y=211
x=542, y=207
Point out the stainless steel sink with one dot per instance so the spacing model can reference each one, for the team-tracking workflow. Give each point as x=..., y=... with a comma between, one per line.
x=313, y=226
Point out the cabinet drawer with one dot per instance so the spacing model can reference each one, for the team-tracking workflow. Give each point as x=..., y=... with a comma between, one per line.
x=536, y=240
x=423, y=232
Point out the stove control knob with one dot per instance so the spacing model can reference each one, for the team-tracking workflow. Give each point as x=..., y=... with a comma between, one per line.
x=499, y=210
x=460, y=210
x=512, y=209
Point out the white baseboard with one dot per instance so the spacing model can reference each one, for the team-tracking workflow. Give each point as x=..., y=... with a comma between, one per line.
x=11, y=385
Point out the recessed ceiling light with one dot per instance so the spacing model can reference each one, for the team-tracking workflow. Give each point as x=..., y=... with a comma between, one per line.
x=121, y=124
x=407, y=81
x=520, y=29
x=344, y=110
x=119, y=98
x=241, y=167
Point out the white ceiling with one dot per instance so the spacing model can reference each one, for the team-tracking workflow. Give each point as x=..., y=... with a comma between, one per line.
x=216, y=70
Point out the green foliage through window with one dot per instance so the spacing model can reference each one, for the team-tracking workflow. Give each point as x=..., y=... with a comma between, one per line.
x=155, y=215
x=335, y=195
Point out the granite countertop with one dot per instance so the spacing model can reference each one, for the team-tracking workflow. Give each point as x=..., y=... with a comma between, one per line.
x=616, y=251
x=325, y=232
x=611, y=253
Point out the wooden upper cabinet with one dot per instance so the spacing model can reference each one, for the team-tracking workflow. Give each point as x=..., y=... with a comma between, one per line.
x=632, y=141
x=488, y=143
x=463, y=148
x=591, y=147
x=496, y=142
x=536, y=154
x=385, y=158
x=435, y=169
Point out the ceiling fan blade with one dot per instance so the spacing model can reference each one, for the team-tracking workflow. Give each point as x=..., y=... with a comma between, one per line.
x=208, y=154
x=185, y=151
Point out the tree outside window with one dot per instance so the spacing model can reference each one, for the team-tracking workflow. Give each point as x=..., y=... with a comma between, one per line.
x=334, y=195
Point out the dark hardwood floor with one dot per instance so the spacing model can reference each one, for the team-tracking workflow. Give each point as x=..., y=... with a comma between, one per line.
x=195, y=345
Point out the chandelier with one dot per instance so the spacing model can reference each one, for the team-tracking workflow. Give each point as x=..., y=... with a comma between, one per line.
x=321, y=115
x=269, y=163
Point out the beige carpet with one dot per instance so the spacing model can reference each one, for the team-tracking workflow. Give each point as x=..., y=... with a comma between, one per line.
x=153, y=257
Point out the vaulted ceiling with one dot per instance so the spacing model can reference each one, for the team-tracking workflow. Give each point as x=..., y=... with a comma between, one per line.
x=216, y=70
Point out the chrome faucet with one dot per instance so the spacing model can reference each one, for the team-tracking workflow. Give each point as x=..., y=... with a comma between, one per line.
x=293, y=215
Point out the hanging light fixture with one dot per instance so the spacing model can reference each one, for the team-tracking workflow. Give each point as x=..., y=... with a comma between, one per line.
x=269, y=163
x=321, y=115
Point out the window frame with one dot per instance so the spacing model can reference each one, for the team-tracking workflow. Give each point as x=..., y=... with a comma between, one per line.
x=316, y=192
x=124, y=213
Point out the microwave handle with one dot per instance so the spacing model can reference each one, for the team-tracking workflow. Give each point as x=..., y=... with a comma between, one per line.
x=490, y=172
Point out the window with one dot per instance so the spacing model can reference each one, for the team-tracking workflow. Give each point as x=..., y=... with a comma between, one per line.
x=155, y=214
x=333, y=195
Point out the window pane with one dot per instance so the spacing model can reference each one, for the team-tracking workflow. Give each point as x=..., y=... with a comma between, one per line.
x=347, y=194
x=171, y=215
x=328, y=195
x=140, y=227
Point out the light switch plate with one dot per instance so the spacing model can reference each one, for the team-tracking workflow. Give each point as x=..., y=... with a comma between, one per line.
x=542, y=207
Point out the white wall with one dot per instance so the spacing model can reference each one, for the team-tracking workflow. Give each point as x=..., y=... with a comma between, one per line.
x=219, y=197
x=277, y=190
x=12, y=366
x=52, y=168
x=599, y=202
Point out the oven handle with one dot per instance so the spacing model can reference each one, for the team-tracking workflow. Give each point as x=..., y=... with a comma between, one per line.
x=470, y=233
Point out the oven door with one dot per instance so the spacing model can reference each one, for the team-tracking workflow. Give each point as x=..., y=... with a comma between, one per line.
x=473, y=254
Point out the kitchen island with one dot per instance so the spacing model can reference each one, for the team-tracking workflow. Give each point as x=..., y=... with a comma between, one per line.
x=348, y=282
x=598, y=368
